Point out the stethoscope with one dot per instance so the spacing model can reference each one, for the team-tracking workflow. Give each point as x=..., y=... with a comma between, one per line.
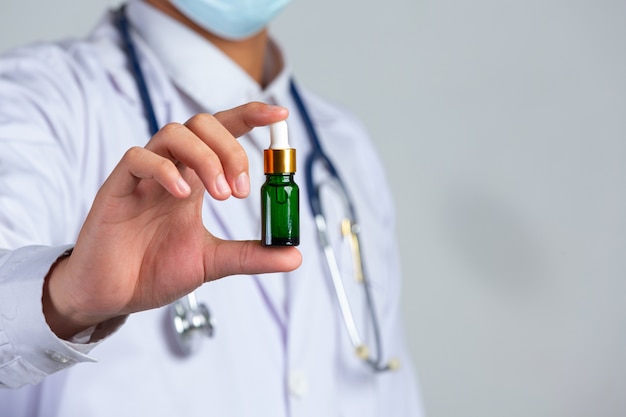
x=192, y=321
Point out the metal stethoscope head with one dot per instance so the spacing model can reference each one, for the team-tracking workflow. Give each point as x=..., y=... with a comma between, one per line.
x=191, y=322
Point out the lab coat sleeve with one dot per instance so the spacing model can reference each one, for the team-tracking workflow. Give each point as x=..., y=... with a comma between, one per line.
x=41, y=207
x=29, y=350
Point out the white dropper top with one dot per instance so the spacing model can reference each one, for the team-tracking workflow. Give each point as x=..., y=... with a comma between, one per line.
x=279, y=137
x=279, y=158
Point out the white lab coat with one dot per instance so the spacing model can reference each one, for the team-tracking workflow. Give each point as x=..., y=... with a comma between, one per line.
x=68, y=112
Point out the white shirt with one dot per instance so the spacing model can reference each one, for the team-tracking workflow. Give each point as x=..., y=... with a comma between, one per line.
x=68, y=112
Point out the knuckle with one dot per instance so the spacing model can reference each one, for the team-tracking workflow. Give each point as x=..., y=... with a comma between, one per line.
x=201, y=119
x=244, y=256
x=238, y=155
x=173, y=129
x=254, y=106
x=133, y=153
x=164, y=165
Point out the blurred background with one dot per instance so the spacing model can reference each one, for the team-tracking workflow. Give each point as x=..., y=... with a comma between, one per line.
x=503, y=128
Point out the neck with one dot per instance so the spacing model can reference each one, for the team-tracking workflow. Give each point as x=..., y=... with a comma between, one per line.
x=248, y=53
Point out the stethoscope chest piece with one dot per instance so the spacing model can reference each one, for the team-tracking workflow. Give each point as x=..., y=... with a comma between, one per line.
x=191, y=323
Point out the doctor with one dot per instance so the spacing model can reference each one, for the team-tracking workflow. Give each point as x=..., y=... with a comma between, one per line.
x=103, y=225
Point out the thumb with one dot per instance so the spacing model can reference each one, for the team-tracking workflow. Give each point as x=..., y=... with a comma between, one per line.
x=230, y=257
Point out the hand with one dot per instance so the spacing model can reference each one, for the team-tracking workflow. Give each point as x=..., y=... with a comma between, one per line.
x=143, y=244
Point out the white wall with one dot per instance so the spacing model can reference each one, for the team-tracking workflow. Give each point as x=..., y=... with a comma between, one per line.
x=503, y=126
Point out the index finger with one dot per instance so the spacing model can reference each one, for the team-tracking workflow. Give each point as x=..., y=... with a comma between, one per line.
x=242, y=119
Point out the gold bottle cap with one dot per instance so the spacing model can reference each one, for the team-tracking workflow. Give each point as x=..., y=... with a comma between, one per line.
x=279, y=161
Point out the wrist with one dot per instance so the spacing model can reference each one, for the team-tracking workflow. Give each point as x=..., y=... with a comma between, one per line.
x=61, y=317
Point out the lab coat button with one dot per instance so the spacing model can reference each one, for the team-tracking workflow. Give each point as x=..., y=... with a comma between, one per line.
x=298, y=385
x=57, y=357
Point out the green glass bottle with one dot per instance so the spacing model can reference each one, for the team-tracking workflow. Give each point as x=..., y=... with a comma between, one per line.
x=280, y=195
x=280, y=211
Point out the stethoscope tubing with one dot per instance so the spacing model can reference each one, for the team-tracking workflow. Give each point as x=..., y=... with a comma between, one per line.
x=122, y=23
x=317, y=155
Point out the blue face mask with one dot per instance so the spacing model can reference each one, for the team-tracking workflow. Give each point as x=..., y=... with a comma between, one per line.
x=231, y=19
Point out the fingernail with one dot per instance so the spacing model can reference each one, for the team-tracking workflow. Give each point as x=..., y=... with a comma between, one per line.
x=242, y=184
x=222, y=185
x=182, y=186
